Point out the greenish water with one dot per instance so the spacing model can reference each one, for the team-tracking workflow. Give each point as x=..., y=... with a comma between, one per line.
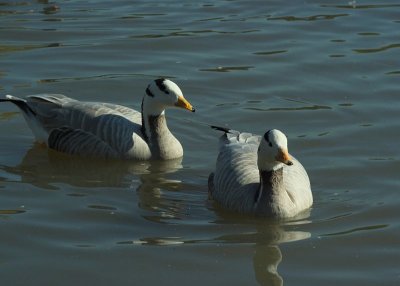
x=326, y=73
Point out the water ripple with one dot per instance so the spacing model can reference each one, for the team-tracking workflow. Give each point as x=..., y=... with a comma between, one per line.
x=376, y=50
x=141, y=16
x=18, y=48
x=228, y=69
x=357, y=229
x=101, y=76
x=210, y=19
x=309, y=18
x=393, y=73
x=313, y=107
x=268, y=53
x=368, y=34
x=11, y=212
x=355, y=6
x=190, y=33
x=102, y=207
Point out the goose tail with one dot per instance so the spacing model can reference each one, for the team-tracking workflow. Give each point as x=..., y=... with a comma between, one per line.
x=223, y=129
x=30, y=117
x=21, y=103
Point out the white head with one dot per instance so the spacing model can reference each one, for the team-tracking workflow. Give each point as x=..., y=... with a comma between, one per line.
x=161, y=94
x=273, y=151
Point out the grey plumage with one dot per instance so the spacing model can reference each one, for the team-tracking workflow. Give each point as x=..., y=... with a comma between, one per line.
x=106, y=130
x=79, y=142
x=239, y=185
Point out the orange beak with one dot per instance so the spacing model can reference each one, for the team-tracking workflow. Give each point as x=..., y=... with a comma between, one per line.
x=183, y=103
x=284, y=157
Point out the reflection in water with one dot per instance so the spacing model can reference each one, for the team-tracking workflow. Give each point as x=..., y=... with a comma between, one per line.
x=265, y=263
x=161, y=198
x=161, y=241
x=44, y=168
x=267, y=237
x=267, y=254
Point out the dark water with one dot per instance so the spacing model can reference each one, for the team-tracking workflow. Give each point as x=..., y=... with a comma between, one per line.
x=327, y=73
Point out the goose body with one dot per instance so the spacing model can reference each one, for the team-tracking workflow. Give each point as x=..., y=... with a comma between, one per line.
x=256, y=175
x=105, y=130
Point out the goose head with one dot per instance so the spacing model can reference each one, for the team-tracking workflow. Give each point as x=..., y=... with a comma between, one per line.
x=273, y=151
x=162, y=94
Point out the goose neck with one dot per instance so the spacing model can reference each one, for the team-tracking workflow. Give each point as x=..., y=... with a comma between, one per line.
x=271, y=178
x=270, y=185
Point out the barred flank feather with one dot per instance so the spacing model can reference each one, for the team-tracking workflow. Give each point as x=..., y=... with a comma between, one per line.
x=79, y=142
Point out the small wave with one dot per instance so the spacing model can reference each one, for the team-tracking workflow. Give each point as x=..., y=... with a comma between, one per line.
x=377, y=50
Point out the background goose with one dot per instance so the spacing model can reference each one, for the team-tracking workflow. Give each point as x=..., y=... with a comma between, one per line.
x=256, y=175
x=106, y=130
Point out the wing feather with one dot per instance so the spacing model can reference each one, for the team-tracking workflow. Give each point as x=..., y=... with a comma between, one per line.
x=115, y=125
x=80, y=142
x=236, y=176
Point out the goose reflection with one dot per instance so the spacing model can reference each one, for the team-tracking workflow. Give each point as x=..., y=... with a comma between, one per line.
x=157, y=194
x=163, y=198
x=268, y=256
x=269, y=234
x=45, y=168
x=265, y=241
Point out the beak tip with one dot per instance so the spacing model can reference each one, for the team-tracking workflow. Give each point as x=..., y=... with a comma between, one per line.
x=284, y=157
x=193, y=109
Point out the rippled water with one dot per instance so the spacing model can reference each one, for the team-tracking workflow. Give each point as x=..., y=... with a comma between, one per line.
x=324, y=72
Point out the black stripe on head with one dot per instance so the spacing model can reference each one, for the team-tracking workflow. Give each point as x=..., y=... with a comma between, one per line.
x=148, y=92
x=266, y=137
x=161, y=85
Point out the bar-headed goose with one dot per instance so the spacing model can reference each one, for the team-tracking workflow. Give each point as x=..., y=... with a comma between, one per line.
x=256, y=175
x=106, y=130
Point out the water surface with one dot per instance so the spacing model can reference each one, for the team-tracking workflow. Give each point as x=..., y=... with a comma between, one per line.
x=324, y=72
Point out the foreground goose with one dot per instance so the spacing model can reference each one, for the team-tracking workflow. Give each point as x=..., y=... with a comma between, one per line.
x=106, y=130
x=256, y=175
